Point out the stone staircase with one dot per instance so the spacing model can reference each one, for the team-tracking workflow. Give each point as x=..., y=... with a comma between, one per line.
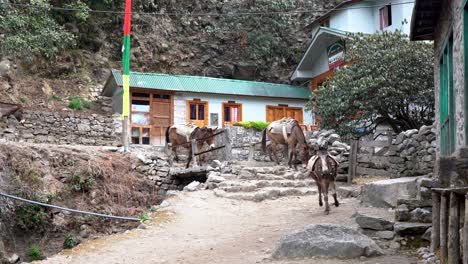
x=261, y=181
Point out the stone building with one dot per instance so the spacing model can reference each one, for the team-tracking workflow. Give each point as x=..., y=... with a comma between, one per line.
x=446, y=23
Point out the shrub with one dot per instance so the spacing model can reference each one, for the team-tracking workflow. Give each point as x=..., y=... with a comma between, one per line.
x=34, y=253
x=258, y=125
x=70, y=241
x=31, y=217
x=77, y=103
x=144, y=218
x=80, y=182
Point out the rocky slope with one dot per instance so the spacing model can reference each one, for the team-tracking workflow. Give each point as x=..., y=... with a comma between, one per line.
x=253, y=47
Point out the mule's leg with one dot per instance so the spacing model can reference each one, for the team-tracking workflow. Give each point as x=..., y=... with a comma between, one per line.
x=325, y=184
x=333, y=190
x=174, y=151
x=273, y=148
x=291, y=155
x=319, y=187
x=189, y=158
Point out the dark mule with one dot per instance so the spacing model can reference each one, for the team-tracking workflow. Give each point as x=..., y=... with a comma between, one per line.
x=182, y=135
x=287, y=132
x=16, y=110
x=323, y=168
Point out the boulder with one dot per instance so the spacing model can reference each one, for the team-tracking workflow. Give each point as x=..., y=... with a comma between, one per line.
x=402, y=213
x=366, y=221
x=410, y=229
x=326, y=240
x=193, y=186
x=427, y=235
x=385, y=193
x=422, y=215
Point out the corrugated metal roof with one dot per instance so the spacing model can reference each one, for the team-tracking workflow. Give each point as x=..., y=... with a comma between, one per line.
x=198, y=84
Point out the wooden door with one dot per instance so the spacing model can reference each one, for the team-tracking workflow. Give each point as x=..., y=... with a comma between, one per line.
x=277, y=112
x=161, y=117
x=232, y=113
x=197, y=113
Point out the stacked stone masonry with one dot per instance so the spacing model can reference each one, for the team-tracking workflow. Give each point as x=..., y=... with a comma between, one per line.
x=62, y=128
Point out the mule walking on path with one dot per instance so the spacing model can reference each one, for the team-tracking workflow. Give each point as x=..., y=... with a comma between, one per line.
x=182, y=135
x=7, y=109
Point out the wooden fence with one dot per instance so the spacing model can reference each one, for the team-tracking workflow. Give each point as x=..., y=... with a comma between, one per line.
x=449, y=216
x=357, y=156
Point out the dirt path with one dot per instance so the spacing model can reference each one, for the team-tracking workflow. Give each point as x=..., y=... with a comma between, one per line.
x=201, y=228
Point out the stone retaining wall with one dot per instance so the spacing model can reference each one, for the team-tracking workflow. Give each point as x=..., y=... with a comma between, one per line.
x=62, y=128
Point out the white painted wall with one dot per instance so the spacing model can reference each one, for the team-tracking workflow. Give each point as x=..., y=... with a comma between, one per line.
x=253, y=108
x=400, y=12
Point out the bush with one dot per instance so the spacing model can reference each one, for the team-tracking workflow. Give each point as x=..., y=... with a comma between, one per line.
x=31, y=217
x=258, y=125
x=70, y=241
x=80, y=182
x=34, y=253
x=77, y=103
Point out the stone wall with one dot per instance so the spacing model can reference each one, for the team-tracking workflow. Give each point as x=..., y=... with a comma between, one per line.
x=62, y=128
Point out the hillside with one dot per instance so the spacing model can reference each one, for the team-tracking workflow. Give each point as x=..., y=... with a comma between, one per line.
x=44, y=68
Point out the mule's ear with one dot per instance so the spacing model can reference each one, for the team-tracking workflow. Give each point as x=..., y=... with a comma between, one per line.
x=214, y=130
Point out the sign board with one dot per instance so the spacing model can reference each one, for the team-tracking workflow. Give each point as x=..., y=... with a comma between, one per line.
x=336, y=53
x=214, y=119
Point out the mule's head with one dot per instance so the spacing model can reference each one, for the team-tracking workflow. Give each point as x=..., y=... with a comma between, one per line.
x=322, y=144
x=208, y=133
x=19, y=115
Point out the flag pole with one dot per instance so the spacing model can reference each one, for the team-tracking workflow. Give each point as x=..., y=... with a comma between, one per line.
x=126, y=74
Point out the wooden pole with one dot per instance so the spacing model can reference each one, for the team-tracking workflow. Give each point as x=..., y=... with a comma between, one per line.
x=352, y=160
x=465, y=233
x=435, y=235
x=443, y=227
x=194, y=151
x=125, y=133
x=454, y=230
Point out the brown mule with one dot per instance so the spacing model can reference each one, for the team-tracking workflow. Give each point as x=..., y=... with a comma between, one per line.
x=177, y=138
x=323, y=168
x=287, y=131
x=16, y=110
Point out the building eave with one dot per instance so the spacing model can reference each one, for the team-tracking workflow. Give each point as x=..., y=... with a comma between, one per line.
x=424, y=19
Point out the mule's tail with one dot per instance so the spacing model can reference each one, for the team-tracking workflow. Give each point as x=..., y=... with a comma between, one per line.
x=168, y=139
x=264, y=140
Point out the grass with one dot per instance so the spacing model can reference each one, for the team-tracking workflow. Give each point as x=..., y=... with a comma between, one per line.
x=78, y=103
x=144, y=218
x=34, y=252
x=31, y=217
x=56, y=98
x=258, y=125
x=80, y=182
x=70, y=241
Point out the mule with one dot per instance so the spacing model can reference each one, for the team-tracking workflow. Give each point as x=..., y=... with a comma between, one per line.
x=323, y=168
x=16, y=110
x=182, y=135
x=287, y=131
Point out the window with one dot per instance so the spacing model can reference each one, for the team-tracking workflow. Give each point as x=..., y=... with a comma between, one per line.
x=447, y=101
x=325, y=22
x=232, y=113
x=140, y=113
x=197, y=113
x=385, y=14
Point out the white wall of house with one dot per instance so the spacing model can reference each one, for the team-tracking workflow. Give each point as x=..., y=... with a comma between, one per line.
x=400, y=12
x=253, y=108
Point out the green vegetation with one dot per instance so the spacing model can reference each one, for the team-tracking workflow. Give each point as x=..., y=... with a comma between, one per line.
x=31, y=216
x=77, y=103
x=390, y=80
x=56, y=98
x=80, y=182
x=34, y=252
x=144, y=218
x=70, y=241
x=258, y=125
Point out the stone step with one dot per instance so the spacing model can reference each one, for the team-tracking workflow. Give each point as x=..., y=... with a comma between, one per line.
x=268, y=177
x=270, y=193
x=250, y=186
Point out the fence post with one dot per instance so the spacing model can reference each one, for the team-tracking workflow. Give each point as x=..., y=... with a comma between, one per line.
x=227, y=144
x=454, y=230
x=435, y=235
x=353, y=160
x=443, y=227
x=465, y=233
x=194, y=151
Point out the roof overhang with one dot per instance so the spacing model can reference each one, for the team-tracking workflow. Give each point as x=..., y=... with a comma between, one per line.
x=424, y=19
x=320, y=41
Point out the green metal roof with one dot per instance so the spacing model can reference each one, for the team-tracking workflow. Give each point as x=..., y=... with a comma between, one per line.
x=198, y=84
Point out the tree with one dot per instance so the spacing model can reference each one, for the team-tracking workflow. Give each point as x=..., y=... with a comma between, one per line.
x=388, y=79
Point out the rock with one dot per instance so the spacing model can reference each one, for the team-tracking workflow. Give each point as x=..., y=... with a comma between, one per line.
x=427, y=235
x=421, y=215
x=5, y=67
x=216, y=164
x=171, y=194
x=348, y=191
x=372, y=222
x=409, y=229
x=164, y=204
x=215, y=179
x=193, y=186
x=13, y=259
x=142, y=226
x=385, y=234
x=326, y=240
x=333, y=137
x=385, y=193
x=402, y=213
